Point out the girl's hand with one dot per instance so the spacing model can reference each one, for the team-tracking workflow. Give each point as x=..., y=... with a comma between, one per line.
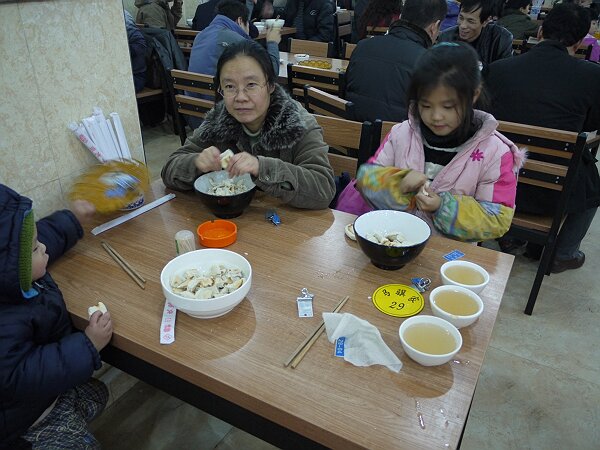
x=83, y=210
x=100, y=329
x=242, y=163
x=209, y=160
x=412, y=181
x=429, y=202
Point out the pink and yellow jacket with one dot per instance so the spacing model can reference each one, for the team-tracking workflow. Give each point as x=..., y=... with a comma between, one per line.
x=477, y=187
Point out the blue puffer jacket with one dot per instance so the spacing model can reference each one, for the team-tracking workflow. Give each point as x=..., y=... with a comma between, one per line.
x=41, y=355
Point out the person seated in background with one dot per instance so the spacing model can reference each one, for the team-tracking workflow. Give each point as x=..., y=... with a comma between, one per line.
x=158, y=13
x=591, y=37
x=48, y=395
x=228, y=27
x=447, y=163
x=274, y=138
x=379, y=13
x=206, y=12
x=137, y=52
x=548, y=87
x=313, y=19
x=515, y=18
x=491, y=41
x=380, y=67
x=451, y=15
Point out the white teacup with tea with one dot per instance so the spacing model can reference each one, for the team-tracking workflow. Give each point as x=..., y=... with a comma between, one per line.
x=465, y=274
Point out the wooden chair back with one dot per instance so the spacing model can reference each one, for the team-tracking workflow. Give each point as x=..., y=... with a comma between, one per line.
x=342, y=29
x=376, y=31
x=517, y=46
x=553, y=158
x=321, y=102
x=330, y=81
x=185, y=39
x=312, y=48
x=188, y=105
x=584, y=52
x=347, y=50
x=348, y=134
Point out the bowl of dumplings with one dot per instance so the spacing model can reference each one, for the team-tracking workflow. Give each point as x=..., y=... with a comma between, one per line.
x=391, y=239
x=206, y=283
x=225, y=197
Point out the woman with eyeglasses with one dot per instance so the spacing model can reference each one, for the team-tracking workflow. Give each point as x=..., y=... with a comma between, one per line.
x=273, y=137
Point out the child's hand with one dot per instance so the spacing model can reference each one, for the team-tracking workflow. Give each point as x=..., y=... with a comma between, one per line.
x=412, y=181
x=83, y=210
x=429, y=202
x=209, y=160
x=100, y=329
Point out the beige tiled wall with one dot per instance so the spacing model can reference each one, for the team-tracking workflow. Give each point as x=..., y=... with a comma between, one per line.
x=59, y=59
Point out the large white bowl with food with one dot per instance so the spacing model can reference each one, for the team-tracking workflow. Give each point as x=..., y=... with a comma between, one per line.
x=429, y=340
x=203, y=261
x=274, y=23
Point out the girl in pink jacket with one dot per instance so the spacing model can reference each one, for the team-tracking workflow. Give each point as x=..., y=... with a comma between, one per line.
x=447, y=163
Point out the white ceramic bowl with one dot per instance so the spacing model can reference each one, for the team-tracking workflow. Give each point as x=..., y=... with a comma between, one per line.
x=457, y=320
x=477, y=288
x=260, y=26
x=203, y=260
x=276, y=23
x=428, y=359
x=415, y=231
x=189, y=22
x=302, y=57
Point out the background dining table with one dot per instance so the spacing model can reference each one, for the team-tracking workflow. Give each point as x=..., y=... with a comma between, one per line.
x=237, y=360
x=286, y=58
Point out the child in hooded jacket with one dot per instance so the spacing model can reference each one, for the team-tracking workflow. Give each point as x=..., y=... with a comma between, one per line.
x=47, y=395
x=447, y=163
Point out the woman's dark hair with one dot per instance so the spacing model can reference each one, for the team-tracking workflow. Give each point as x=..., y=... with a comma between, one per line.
x=378, y=13
x=251, y=49
x=515, y=4
x=566, y=23
x=454, y=65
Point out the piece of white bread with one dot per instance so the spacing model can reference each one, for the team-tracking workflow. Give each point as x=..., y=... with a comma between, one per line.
x=225, y=157
x=100, y=307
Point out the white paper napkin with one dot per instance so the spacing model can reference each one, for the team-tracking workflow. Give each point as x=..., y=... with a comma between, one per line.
x=364, y=345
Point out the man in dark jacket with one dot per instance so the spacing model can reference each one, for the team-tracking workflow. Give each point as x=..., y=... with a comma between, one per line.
x=158, y=13
x=46, y=391
x=137, y=52
x=548, y=87
x=380, y=67
x=491, y=41
x=313, y=19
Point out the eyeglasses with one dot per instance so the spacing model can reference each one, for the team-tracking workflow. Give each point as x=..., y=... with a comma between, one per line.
x=251, y=89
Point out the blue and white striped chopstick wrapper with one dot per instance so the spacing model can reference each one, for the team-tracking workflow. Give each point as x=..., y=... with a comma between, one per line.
x=124, y=218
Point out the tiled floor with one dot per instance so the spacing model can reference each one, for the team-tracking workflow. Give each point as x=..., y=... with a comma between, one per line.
x=539, y=387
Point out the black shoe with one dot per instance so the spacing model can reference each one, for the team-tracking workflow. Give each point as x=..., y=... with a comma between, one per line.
x=509, y=245
x=568, y=264
x=533, y=251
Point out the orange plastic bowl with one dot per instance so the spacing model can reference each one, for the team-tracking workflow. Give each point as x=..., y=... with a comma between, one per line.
x=217, y=233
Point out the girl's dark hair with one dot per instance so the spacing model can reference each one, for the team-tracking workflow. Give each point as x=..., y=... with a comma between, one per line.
x=249, y=48
x=376, y=12
x=454, y=65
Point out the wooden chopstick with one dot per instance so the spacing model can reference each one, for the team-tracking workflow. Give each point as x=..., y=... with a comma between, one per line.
x=305, y=346
x=124, y=265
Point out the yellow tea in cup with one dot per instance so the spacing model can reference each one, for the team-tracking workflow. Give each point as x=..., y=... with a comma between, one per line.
x=456, y=302
x=429, y=338
x=464, y=275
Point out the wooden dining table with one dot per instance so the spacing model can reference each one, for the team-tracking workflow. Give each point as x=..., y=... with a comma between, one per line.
x=233, y=366
x=286, y=58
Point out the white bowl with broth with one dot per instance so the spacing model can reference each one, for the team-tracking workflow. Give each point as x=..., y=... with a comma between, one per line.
x=459, y=306
x=465, y=274
x=429, y=340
